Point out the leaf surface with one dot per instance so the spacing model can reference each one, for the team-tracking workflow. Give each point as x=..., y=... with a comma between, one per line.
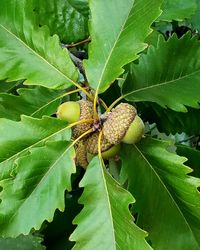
x=67, y=18
x=17, y=138
x=193, y=156
x=22, y=242
x=6, y=87
x=177, y=10
x=195, y=19
x=169, y=121
x=37, y=188
x=33, y=102
x=167, y=199
x=118, y=30
x=168, y=75
x=29, y=52
x=105, y=221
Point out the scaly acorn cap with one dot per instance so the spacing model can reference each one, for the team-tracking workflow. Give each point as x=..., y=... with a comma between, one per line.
x=81, y=154
x=118, y=122
x=92, y=144
x=86, y=112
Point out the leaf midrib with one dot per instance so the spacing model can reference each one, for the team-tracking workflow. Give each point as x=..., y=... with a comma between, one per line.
x=38, y=55
x=39, y=183
x=108, y=199
x=165, y=188
x=114, y=45
x=161, y=84
x=33, y=145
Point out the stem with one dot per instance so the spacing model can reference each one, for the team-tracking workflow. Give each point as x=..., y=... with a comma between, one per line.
x=81, y=136
x=114, y=103
x=68, y=46
x=96, y=117
x=99, y=144
x=84, y=90
x=103, y=104
x=79, y=122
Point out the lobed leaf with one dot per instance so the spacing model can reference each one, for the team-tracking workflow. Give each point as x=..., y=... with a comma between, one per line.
x=105, y=221
x=118, y=30
x=167, y=199
x=168, y=75
x=29, y=52
x=33, y=102
x=21, y=136
x=193, y=156
x=37, y=188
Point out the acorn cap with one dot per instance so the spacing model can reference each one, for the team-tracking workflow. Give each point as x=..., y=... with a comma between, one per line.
x=81, y=154
x=86, y=112
x=118, y=122
x=92, y=144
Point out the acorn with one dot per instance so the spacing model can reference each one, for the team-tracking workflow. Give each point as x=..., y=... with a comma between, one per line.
x=81, y=154
x=92, y=144
x=123, y=124
x=69, y=111
x=74, y=111
x=108, y=151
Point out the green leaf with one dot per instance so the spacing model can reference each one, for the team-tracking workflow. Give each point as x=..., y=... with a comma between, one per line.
x=6, y=87
x=177, y=10
x=67, y=18
x=17, y=138
x=168, y=75
x=193, y=157
x=22, y=242
x=167, y=199
x=29, y=52
x=33, y=102
x=118, y=30
x=105, y=221
x=169, y=121
x=195, y=19
x=37, y=188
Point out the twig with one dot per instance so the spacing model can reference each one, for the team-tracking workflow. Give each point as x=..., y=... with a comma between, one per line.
x=68, y=46
x=79, y=64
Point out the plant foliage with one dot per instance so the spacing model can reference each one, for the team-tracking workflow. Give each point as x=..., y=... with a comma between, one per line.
x=143, y=52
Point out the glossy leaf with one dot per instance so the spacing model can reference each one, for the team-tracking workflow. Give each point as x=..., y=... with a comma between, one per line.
x=118, y=30
x=36, y=188
x=33, y=102
x=105, y=221
x=167, y=199
x=30, y=53
x=177, y=10
x=193, y=157
x=168, y=75
x=67, y=18
x=17, y=138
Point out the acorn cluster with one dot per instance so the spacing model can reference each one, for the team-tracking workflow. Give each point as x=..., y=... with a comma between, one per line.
x=122, y=124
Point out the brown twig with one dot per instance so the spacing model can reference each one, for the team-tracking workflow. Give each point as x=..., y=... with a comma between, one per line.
x=68, y=46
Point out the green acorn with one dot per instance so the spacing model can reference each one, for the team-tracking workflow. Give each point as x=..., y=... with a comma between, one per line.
x=74, y=111
x=123, y=124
